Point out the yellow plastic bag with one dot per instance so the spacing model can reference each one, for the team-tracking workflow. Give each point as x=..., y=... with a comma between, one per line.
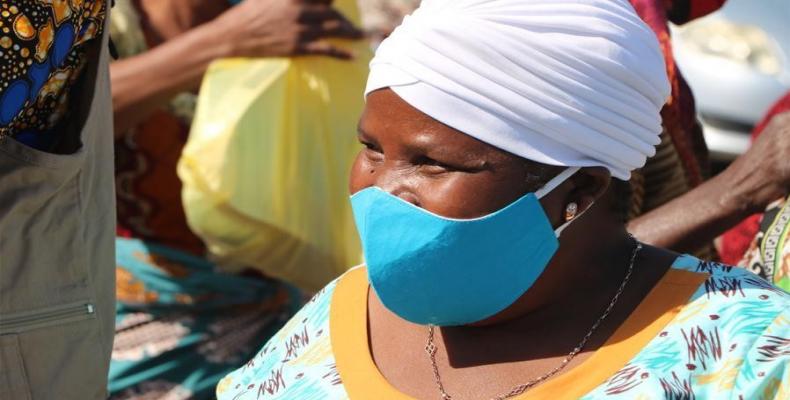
x=265, y=169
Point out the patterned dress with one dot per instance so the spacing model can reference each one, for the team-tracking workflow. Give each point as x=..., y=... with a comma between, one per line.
x=769, y=253
x=706, y=331
x=181, y=324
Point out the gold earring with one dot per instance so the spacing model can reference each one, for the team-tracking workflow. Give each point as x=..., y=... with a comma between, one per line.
x=570, y=211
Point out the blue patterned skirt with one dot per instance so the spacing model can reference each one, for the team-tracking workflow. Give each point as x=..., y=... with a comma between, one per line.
x=182, y=324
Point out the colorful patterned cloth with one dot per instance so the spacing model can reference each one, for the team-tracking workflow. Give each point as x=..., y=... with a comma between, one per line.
x=181, y=325
x=43, y=50
x=706, y=331
x=769, y=253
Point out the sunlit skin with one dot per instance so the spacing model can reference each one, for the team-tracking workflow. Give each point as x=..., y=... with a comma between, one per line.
x=447, y=172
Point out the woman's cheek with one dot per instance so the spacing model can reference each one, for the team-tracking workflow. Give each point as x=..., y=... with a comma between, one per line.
x=442, y=195
x=362, y=173
x=460, y=195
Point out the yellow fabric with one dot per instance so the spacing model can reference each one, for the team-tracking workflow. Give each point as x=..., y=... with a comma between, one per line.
x=360, y=377
x=266, y=166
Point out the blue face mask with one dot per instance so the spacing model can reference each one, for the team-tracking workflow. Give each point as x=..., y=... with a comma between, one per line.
x=429, y=269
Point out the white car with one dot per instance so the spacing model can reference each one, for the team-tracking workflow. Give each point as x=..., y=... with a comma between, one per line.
x=737, y=62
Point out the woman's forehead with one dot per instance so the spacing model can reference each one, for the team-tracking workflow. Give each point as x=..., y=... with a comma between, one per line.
x=390, y=121
x=388, y=117
x=385, y=108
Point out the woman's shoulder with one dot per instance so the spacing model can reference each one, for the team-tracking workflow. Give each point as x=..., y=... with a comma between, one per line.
x=730, y=338
x=730, y=294
x=729, y=284
x=734, y=330
x=297, y=362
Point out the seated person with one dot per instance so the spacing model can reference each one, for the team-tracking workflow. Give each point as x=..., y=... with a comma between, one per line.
x=496, y=263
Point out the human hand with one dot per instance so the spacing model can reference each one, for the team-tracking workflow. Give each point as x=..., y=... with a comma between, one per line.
x=164, y=20
x=270, y=28
x=763, y=172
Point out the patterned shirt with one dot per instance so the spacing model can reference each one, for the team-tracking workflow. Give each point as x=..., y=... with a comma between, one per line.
x=706, y=331
x=769, y=253
x=43, y=50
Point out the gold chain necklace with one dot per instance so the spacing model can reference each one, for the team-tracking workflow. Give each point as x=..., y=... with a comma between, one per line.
x=430, y=347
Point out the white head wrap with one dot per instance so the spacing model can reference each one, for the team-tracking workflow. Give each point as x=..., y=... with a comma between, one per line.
x=563, y=82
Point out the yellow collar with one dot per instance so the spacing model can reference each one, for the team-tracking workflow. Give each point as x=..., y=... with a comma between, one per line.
x=362, y=379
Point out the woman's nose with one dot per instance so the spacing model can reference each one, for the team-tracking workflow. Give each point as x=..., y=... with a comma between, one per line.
x=408, y=197
x=396, y=184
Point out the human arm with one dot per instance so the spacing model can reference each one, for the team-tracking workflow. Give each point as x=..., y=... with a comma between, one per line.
x=255, y=28
x=747, y=186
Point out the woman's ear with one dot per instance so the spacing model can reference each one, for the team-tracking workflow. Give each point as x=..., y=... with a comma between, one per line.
x=590, y=184
x=576, y=195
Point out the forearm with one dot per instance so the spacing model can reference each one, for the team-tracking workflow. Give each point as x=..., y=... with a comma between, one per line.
x=695, y=219
x=145, y=82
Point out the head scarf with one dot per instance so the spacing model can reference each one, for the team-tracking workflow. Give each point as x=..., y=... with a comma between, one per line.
x=563, y=82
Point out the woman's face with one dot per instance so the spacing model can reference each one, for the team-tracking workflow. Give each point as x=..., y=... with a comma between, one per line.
x=438, y=168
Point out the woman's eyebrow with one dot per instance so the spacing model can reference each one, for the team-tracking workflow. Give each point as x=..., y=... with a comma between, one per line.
x=462, y=154
x=427, y=143
x=362, y=134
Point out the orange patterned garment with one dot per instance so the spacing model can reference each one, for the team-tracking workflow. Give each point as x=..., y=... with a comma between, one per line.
x=43, y=51
x=148, y=190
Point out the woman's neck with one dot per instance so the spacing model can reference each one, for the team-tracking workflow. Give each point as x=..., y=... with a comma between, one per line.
x=546, y=323
x=592, y=259
x=553, y=325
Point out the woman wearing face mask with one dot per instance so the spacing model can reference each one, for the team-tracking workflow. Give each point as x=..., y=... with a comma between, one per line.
x=496, y=265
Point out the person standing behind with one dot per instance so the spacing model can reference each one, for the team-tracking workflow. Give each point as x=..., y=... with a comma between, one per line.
x=56, y=200
x=183, y=321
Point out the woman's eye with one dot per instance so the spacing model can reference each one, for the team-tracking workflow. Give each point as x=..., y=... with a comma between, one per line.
x=433, y=166
x=371, y=150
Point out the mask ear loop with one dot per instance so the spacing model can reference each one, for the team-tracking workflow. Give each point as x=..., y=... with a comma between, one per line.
x=551, y=185
x=556, y=181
